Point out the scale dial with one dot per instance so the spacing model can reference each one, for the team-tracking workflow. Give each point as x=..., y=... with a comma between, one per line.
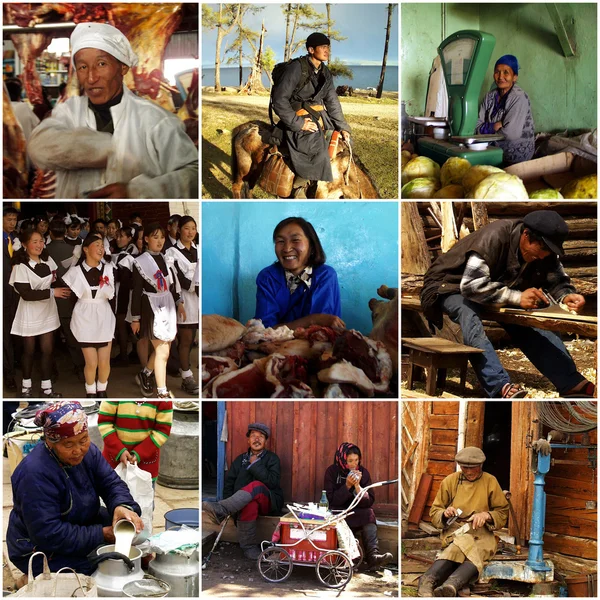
x=458, y=56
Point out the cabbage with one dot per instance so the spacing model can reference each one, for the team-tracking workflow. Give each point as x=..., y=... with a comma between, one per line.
x=546, y=194
x=450, y=191
x=421, y=187
x=584, y=187
x=406, y=157
x=453, y=170
x=501, y=186
x=477, y=173
x=421, y=166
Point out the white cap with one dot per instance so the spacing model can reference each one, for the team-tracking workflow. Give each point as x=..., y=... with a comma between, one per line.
x=102, y=37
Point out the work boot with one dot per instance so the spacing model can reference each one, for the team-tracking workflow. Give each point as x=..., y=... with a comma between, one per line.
x=190, y=386
x=436, y=574
x=374, y=559
x=247, y=539
x=218, y=511
x=466, y=573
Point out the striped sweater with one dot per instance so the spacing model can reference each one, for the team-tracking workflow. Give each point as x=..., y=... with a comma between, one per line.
x=140, y=428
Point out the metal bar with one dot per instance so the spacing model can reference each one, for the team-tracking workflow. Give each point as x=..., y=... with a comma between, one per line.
x=535, y=559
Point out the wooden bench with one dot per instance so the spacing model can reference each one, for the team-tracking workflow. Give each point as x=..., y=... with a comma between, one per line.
x=437, y=355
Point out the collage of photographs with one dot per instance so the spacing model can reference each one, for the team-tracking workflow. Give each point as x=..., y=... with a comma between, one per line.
x=272, y=180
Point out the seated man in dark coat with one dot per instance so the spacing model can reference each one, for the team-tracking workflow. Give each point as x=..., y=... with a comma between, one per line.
x=344, y=479
x=251, y=489
x=308, y=112
x=508, y=263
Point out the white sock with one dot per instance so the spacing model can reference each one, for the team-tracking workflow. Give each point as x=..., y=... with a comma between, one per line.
x=161, y=391
x=101, y=387
x=147, y=371
x=46, y=386
x=26, y=384
x=90, y=389
x=187, y=373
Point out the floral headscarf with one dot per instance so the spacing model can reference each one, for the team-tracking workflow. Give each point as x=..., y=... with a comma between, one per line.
x=341, y=455
x=61, y=420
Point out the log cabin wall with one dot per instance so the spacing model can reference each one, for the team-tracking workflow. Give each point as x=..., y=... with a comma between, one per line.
x=305, y=436
x=571, y=527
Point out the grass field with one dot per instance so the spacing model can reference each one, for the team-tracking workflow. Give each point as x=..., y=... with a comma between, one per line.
x=374, y=126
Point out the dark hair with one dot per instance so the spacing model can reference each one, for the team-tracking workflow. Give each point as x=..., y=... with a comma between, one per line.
x=184, y=221
x=58, y=228
x=128, y=231
x=317, y=256
x=38, y=219
x=10, y=210
x=90, y=238
x=14, y=87
x=75, y=221
x=153, y=228
x=173, y=219
x=62, y=86
x=115, y=221
x=21, y=256
x=536, y=237
x=354, y=450
x=96, y=222
x=26, y=225
x=134, y=215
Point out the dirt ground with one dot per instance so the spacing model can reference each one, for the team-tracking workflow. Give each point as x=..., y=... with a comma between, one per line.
x=229, y=574
x=521, y=371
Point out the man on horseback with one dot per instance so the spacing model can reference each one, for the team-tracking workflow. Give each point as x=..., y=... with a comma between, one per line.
x=307, y=111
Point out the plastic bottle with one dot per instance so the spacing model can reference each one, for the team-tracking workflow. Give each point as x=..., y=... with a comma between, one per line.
x=323, y=501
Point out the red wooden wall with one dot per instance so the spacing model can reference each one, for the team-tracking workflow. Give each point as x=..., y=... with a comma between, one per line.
x=305, y=436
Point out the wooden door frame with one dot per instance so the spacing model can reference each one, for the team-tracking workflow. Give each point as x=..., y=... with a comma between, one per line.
x=524, y=423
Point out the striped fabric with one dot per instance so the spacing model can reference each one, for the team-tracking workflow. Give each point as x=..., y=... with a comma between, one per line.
x=140, y=428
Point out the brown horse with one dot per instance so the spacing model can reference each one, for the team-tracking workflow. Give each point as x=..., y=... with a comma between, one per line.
x=249, y=148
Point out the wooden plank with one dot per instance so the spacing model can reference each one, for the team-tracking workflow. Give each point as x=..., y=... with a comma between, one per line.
x=440, y=437
x=438, y=345
x=420, y=498
x=572, y=546
x=442, y=453
x=571, y=489
x=443, y=421
x=438, y=467
x=409, y=454
x=415, y=394
x=569, y=525
x=557, y=505
x=445, y=408
x=553, y=314
x=475, y=422
x=414, y=251
x=575, y=472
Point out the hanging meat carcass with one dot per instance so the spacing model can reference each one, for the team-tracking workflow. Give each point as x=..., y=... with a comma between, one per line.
x=14, y=171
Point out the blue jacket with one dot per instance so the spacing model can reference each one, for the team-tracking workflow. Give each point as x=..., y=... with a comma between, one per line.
x=275, y=304
x=57, y=509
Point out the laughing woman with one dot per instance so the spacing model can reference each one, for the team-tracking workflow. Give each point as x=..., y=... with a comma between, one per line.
x=507, y=110
x=299, y=289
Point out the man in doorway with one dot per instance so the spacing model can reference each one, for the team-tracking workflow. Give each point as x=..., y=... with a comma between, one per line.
x=508, y=263
x=251, y=489
x=305, y=101
x=468, y=542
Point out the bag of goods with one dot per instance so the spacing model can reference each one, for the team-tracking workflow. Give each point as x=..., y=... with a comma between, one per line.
x=421, y=166
x=453, y=171
x=501, y=186
x=476, y=174
x=450, y=191
x=421, y=187
x=583, y=187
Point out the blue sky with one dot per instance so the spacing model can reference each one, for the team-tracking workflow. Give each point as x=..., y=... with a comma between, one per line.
x=363, y=24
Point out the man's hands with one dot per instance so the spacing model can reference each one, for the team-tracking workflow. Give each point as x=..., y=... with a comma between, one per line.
x=325, y=320
x=109, y=534
x=126, y=458
x=346, y=136
x=124, y=513
x=309, y=125
x=497, y=125
x=480, y=519
x=450, y=512
x=574, y=302
x=533, y=298
x=112, y=190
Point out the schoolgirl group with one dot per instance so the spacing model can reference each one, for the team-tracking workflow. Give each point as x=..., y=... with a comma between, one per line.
x=116, y=281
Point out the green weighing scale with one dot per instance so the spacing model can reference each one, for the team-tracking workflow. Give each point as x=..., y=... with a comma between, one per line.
x=465, y=56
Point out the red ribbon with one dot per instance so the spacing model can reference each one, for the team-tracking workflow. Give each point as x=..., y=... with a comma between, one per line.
x=104, y=280
x=161, y=282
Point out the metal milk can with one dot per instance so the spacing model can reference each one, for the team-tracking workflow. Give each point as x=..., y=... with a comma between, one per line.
x=179, y=465
x=114, y=570
x=181, y=573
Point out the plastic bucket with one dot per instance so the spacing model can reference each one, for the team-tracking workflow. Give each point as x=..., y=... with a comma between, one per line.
x=183, y=516
x=583, y=586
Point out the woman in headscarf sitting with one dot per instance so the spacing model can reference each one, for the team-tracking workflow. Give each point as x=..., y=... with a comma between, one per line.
x=344, y=479
x=507, y=110
x=56, y=495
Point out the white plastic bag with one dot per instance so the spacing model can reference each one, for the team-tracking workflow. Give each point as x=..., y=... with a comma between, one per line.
x=139, y=483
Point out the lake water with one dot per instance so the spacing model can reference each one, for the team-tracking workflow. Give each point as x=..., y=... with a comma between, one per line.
x=364, y=77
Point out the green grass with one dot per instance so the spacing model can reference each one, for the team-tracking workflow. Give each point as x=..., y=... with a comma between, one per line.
x=375, y=141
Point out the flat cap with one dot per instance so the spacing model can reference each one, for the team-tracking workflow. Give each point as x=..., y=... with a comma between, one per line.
x=259, y=427
x=550, y=226
x=317, y=39
x=470, y=456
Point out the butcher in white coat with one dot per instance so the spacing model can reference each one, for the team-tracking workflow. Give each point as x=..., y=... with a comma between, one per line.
x=110, y=143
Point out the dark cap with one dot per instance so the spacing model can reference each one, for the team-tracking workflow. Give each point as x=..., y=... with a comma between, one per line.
x=317, y=39
x=550, y=226
x=470, y=457
x=259, y=427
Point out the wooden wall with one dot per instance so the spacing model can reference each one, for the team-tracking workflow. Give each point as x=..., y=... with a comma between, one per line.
x=305, y=436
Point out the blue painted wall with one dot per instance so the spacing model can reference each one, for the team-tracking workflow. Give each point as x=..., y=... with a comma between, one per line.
x=360, y=240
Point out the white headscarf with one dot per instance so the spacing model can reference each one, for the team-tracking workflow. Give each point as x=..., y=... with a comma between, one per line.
x=102, y=37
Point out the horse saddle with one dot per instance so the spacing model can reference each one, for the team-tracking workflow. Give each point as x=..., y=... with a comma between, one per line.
x=277, y=177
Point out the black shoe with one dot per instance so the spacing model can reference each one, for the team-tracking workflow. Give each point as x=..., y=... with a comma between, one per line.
x=11, y=384
x=91, y=396
x=52, y=394
x=101, y=394
x=26, y=394
x=439, y=571
x=190, y=386
x=465, y=574
x=145, y=383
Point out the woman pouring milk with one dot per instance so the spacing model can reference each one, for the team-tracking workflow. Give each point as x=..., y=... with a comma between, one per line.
x=56, y=494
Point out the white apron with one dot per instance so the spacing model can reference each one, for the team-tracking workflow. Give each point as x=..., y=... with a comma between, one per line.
x=161, y=302
x=93, y=320
x=34, y=317
x=191, y=271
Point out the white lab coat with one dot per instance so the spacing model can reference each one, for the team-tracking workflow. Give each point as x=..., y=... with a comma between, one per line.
x=149, y=150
